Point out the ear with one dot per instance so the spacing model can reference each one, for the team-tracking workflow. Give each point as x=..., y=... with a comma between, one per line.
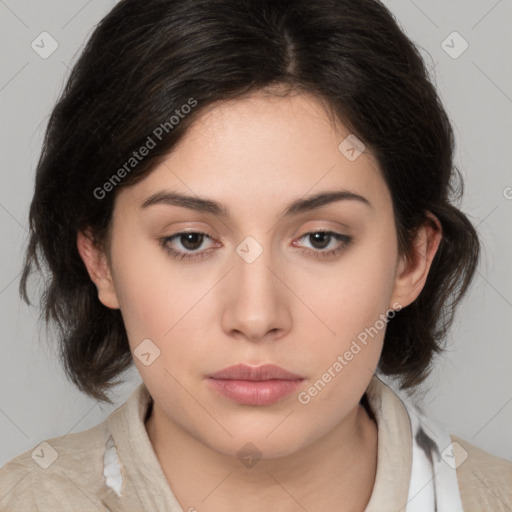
x=413, y=269
x=97, y=265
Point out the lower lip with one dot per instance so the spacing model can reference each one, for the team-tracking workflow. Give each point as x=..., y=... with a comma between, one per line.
x=248, y=392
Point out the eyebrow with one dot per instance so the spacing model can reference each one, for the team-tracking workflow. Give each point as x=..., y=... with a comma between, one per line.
x=212, y=207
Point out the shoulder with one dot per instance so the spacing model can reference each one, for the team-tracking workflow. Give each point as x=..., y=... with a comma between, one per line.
x=485, y=481
x=60, y=473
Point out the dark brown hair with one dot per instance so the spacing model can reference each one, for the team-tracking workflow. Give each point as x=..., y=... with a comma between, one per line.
x=145, y=60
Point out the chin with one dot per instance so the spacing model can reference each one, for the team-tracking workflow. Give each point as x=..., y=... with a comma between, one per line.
x=249, y=447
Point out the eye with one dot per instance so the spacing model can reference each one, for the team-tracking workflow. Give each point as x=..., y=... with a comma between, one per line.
x=321, y=241
x=190, y=240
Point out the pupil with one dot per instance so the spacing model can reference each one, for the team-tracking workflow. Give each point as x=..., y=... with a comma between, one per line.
x=190, y=244
x=320, y=237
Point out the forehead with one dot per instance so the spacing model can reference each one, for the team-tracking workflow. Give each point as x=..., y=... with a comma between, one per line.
x=264, y=150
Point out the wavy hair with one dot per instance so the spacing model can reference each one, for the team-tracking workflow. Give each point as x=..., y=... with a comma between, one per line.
x=144, y=60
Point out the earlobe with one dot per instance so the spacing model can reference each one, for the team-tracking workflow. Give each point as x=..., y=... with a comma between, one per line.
x=96, y=263
x=413, y=269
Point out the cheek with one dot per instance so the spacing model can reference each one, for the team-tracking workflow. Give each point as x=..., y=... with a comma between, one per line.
x=354, y=293
x=145, y=289
x=352, y=300
x=342, y=364
x=162, y=303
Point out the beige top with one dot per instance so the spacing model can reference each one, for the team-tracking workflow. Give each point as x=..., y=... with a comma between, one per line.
x=80, y=472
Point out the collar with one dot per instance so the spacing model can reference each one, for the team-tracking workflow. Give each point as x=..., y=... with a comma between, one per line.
x=408, y=475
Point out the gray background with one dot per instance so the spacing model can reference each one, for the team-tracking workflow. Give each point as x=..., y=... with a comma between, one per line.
x=470, y=391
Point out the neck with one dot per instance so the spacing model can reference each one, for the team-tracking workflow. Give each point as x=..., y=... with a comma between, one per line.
x=336, y=471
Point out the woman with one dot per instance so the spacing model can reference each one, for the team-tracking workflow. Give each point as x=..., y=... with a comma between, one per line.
x=251, y=201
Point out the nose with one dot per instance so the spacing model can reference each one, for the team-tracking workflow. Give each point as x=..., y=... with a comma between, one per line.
x=256, y=306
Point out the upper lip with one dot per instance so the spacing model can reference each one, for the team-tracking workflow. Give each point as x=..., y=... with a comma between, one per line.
x=255, y=373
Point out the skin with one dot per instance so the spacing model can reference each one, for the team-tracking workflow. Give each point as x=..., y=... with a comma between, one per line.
x=256, y=155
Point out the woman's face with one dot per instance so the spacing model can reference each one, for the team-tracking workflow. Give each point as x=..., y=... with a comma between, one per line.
x=263, y=285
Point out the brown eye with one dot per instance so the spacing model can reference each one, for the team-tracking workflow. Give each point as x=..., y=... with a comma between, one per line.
x=320, y=241
x=191, y=241
x=186, y=241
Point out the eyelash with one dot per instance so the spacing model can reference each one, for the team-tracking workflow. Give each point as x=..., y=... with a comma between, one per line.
x=344, y=239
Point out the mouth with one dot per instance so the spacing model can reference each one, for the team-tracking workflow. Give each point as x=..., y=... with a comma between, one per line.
x=255, y=373
x=249, y=385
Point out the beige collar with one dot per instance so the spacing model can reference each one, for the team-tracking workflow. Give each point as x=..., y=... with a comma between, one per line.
x=144, y=486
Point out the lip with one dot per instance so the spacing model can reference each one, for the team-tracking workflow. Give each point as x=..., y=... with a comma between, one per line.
x=250, y=385
x=255, y=373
